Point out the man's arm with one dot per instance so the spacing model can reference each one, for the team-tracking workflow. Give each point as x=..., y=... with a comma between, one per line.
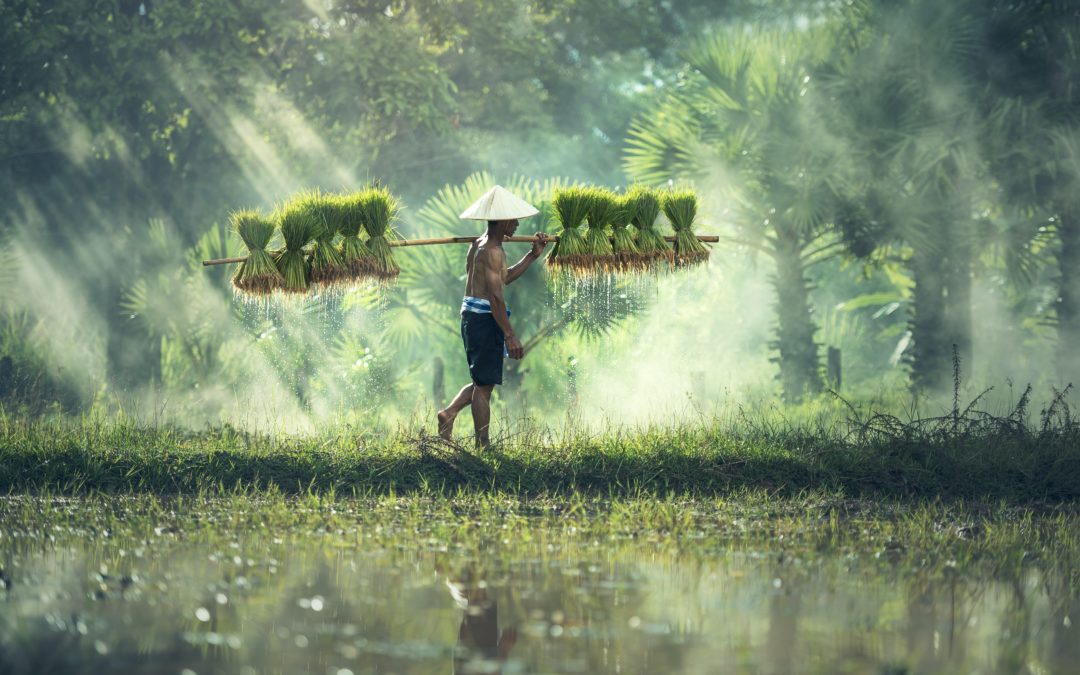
x=517, y=270
x=494, y=271
x=533, y=254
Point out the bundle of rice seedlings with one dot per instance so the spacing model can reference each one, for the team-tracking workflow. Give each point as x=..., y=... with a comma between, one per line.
x=298, y=228
x=257, y=276
x=652, y=247
x=680, y=207
x=570, y=206
x=327, y=266
x=380, y=209
x=627, y=256
x=355, y=254
x=598, y=236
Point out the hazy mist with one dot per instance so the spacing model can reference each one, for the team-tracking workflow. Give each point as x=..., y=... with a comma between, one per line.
x=107, y=212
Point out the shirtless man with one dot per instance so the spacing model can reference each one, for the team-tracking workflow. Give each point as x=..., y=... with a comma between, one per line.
x=485, y=320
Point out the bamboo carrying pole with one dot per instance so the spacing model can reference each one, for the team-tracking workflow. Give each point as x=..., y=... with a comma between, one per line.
x=706, y=238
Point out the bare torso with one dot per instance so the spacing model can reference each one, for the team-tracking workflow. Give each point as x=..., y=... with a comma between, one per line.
x=482, y=258
x=486, y=274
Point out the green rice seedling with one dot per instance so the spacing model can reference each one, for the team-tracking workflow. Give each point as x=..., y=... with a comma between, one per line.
x=298, y=228
x=257, y=276
x=627, y=256
x=381, y=209
x=355, y=254
x=653, y=248
x=680, y=207
x=570, y=206
x=327, y=266
x=598, y=236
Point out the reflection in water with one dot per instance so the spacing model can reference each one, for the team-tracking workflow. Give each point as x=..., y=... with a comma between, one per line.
x=922, y=624
x=1015, y=630
x=783, y=623
x=536, y=600
x=481, y=647
x=1065, y=636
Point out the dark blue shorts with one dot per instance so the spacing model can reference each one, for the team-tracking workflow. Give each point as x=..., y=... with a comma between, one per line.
x=484, y=347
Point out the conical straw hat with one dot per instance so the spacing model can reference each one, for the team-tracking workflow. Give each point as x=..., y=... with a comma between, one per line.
x=498, y=203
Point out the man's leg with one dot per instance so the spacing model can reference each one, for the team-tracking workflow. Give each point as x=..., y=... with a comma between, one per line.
x=481, y=413
x=446, y=415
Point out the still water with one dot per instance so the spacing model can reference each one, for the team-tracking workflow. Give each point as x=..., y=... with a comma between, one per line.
x=401, y=594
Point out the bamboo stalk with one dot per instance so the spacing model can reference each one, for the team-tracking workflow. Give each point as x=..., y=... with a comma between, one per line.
x=706, y=238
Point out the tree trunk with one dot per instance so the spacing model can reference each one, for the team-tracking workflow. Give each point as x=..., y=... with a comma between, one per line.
x=800, y=367
x=438, y=382
x=942, y=305
x=834, y=375
x=931, y=351
x=958, y=270
x=1068, y=298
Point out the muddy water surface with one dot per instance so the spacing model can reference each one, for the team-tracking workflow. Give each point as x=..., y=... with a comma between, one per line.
x=400, y=592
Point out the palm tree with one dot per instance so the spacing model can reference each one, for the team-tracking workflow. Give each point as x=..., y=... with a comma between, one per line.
x=173, y=305
x=427, y=298
x=899, y=94
x=945, y=108
x=742, y=122
x=204, y=343
x=1032, y=132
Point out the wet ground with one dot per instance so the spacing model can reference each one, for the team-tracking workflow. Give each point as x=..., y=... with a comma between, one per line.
x=229, y=586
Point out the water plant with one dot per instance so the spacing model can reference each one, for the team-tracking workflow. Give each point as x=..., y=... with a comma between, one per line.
x=653, y=248
x=680, y=207
x=257, y=276
x=598, y=247
x=380, y=208
x=298, y=228
x=356, y=256
x=627, y=256
x=570, y=206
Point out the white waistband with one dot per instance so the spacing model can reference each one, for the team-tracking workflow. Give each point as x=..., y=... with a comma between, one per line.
x=475, y=305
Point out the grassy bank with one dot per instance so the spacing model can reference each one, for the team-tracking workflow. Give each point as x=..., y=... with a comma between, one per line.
x=953, y=457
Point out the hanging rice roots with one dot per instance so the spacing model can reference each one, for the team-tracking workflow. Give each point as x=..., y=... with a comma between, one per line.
x=381, y=209
x=680, y=207
x=328, y=269
x=298, y=228
x=257, y=276
x=570, y=206
x=655, y=251
x=355, y=254
x=598, y=238
x=627, y=256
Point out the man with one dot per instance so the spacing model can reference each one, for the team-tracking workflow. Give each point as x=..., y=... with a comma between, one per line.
x=485, y=320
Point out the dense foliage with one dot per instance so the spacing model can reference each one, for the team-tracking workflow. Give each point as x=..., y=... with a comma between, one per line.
x=906, y=171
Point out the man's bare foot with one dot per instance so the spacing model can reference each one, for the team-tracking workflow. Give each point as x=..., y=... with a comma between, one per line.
x=446, y=425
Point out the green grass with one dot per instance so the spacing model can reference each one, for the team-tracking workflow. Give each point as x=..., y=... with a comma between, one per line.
x=812, y=521
x=877, y=457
